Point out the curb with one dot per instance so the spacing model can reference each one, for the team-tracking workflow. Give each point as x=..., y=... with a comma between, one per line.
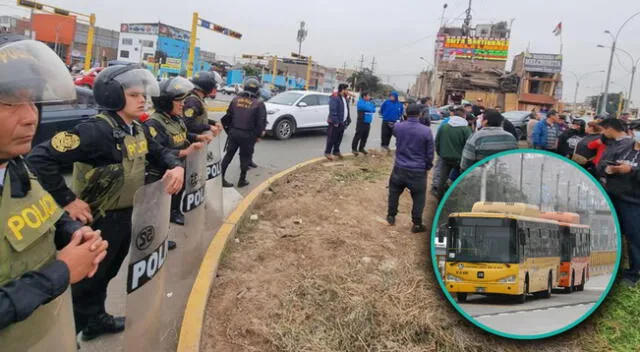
x=194, y=313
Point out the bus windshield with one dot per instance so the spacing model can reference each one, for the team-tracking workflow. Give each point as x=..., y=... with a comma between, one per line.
x=482, y=240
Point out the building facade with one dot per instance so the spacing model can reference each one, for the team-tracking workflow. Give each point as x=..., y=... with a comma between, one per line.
x=105, y=45
x=540, y=80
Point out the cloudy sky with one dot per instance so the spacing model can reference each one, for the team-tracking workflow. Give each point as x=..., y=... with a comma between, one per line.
x=397, y=32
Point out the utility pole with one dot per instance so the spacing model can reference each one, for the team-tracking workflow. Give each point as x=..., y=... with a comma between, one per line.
x=373, y=64
x=541, y=182
x=483, y=184
x=568, y=194
x=495, y=178
x=521, y=171
x=467, y=21
x=557, y=192
x=362, y=63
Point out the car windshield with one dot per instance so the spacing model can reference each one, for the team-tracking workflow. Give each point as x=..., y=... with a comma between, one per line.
x=288, y=98
x=482, y=240
x=515, y=115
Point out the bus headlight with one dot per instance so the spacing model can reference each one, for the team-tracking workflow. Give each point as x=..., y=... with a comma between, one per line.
x=452, y=278
x=511, y=278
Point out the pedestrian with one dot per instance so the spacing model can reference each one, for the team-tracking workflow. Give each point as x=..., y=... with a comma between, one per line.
x=245, y=125
x=34, y=277
x=491, y=139
x=583, y=155
x=450, y=141
x=509, y=127
x=414, y=159
x=391, y=112
x=478, y=108
x=109, y=153
x=167, y=128
x=569, y=139
x=533, y=120
x=339, y=119
x=546, y=131
x=614, y=133
x=620, y=166
x=366, y=109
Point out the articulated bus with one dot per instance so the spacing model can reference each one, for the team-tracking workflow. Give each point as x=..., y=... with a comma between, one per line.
x=575, y=241
x=502, y=248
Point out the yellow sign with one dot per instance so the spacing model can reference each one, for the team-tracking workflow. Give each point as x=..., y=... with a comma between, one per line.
x=476, y=43
x=32, y=216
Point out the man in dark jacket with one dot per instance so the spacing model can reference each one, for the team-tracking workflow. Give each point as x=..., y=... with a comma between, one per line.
x=582, y=154
x=414, y=159
x=621, y=166
x=450, y=141
x=570, y=138
x=339, y=119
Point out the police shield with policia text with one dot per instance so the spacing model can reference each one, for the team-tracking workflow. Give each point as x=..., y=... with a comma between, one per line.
x=35, y=303
x=168, y=129
x=245, y=123
x=109, y=153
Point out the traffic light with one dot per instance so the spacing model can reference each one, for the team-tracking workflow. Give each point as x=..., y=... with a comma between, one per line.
x=30, y=4
x=61, y=12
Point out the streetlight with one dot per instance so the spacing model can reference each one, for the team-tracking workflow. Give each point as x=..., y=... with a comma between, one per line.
x=613, y=50
x=578, y=79
x=634, y=66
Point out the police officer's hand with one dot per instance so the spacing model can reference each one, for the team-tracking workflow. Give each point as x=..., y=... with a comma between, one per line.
x=196, y=146
x=217, y=129
x=80, y=259
x=618, y=169
x=80, y=211
x=89, y=234
x=173, y=179
x=204, y=138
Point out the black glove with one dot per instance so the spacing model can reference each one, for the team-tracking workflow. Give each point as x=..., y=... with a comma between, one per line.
x=347, y=123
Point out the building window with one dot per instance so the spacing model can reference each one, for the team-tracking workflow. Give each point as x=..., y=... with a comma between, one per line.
x=127, y=41
x=124, y=54
x=147, y=43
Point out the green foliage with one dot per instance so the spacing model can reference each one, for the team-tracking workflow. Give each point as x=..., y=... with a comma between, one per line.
x=251, y=71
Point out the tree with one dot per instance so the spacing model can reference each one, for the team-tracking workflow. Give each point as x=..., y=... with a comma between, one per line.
x=251, y=71
x=364, y=80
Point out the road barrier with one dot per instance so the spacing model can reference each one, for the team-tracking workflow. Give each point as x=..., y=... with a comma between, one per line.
x=194, y=314
x=602, y=262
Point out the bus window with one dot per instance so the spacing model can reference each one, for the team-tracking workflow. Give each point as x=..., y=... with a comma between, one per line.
x=485, y=240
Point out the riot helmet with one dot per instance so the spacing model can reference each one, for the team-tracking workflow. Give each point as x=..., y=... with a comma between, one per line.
x=110, y=85
x=172, y=89
x=205, y=81
x=252, y=85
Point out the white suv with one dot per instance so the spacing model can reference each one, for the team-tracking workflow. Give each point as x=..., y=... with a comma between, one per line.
x=296, y=110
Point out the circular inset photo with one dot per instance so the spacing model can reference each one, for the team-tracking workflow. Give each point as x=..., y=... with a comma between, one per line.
x=526, y=243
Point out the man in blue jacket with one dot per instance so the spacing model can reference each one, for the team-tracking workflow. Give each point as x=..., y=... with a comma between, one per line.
x=366, y=109
x=339, y=119
x=391, y=111
x=414, y=159
x=546, y=132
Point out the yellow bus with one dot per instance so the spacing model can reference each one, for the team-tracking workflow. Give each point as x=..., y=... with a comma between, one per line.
x=501, y=248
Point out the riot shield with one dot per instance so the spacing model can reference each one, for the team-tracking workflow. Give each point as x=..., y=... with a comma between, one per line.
x=189, y=236
x=146, y=273
x=214, y=212
x=49, y=328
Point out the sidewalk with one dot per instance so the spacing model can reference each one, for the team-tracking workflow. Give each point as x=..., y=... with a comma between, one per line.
x=175, y=299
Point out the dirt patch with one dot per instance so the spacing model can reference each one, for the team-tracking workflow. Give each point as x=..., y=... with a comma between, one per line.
x=320, y=270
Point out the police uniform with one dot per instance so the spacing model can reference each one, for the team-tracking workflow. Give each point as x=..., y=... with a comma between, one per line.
x=32, y=281
x=109, y=159
x=196, y=116
x=244, y=121
x=170, y=132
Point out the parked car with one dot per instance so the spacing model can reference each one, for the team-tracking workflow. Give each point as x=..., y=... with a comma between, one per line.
x=232, y=89
x=63, y=116
x=294, y=111
x=86, y=80
x=519, y=119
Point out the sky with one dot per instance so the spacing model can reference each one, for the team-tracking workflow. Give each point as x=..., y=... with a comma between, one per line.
x=396, y=33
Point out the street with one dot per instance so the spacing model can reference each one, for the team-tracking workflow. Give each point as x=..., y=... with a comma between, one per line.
x=537, y=315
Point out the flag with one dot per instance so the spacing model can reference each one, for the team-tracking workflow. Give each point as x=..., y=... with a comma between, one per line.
x=558, y=29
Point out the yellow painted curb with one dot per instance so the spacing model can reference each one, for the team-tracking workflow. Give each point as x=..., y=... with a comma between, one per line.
x=217, y=108
x=191, y=330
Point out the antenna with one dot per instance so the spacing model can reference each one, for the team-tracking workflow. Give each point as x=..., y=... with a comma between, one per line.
x=302, y=35
x=467, y=20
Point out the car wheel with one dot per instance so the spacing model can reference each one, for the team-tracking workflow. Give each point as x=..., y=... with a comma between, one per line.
x=284, y=128
x=462, y=297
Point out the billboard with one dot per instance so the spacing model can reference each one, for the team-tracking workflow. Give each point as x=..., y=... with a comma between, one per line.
x=473, y=48
x=549, y=63
x=174, y=33
x=140, y=28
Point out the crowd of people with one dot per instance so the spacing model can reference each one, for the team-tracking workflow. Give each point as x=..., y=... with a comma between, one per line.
x=60, y=236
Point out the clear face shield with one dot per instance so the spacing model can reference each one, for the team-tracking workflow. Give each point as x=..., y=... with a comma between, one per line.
x=30, y=72
x=139, y=81
x=179, y=87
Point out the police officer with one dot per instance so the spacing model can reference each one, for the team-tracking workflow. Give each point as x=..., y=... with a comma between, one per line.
x=244, y=122
x=108, y=153
x=168, y=129
x=33, y=277
x=195, y=109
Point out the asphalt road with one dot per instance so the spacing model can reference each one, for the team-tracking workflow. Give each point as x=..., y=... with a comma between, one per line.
x=537, y=315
